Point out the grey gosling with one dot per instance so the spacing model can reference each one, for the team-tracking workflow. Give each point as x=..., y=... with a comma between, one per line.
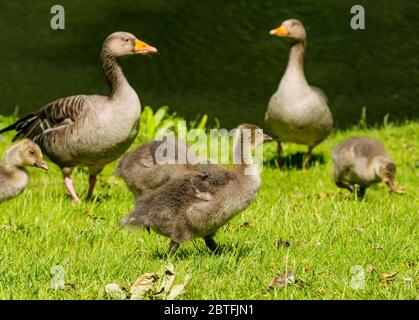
x=90, y=130
x=13, y=175
x=297, y=112
x=143, y=173
x=362, y=161
x=199, y=203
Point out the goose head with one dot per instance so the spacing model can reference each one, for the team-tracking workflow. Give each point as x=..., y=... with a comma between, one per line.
x=250, y=133
x=26, y=153
x=385, y=170
x=121, y=44
x=292, y=29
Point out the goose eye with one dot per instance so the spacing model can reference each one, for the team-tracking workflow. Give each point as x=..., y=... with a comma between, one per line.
x=31, y=152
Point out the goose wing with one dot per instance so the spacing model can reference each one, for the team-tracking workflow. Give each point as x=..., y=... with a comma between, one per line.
x=205, y=185
x=181, y=193
x=321, y=93
x=56, y=114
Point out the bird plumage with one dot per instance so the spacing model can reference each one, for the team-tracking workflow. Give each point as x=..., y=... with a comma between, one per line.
x=297, y=112
x=198, y=203
x=13, y=176
x=89, y=130
x=361, y=161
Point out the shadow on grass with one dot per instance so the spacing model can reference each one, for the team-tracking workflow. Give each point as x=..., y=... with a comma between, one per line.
x=295, y=161
x=200, y=249
x=98, y=199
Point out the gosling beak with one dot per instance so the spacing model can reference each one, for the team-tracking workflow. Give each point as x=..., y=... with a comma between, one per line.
x=41, y=164
x=280, y=32
x=266, y=138
x=392, y=185
x=143, y=48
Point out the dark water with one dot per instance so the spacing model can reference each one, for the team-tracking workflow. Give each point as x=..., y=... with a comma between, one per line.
x=216, y=57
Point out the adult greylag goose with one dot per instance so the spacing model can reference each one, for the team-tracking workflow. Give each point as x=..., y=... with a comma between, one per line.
x=297, y=112
x=13, y=175
x=90, y=130
x=143, y=172
x=199, y=203
x=362, y=161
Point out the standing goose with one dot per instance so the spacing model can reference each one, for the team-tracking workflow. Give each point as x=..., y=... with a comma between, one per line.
x=362, y=161
x=297, y=112
x=90, y=130
x=199, y=203
x=13, y=175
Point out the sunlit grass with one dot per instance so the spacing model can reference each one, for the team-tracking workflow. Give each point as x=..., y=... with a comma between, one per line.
x=329, y=233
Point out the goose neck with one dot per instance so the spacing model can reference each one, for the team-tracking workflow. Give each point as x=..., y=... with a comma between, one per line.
x=242, y=153
x=114, y=74
x=296, y=57
x=12, y=158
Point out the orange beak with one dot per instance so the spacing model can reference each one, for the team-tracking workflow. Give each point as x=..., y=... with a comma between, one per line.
x=143, y=48
x=280, y=32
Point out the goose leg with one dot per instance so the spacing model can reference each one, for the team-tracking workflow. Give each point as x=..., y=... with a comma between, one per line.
x=345, y=186
x=211, y=244
x=279, y=149
x=173, y=246
x=92, y=182
x=69, y=185
x=361, y=192
x=308, y=156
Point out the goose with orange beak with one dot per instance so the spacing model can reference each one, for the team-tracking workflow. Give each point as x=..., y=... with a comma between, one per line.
x=297, y=112
x=90, y=130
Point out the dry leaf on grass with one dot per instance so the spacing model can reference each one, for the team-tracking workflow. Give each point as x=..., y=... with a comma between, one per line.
x=286, y=278
x=114, y=291
x=248, y=224
x=167, y=281
x=143, y=285
x=178, y=289
x=369, y=270
x=156, y=286
x=388, y=277
x=400, y=190
x=282, y=243
x=323, y=195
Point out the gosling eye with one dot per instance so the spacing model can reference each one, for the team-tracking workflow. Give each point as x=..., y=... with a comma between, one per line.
x=32, y=152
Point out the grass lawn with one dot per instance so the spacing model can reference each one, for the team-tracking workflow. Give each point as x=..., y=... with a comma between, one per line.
x=329, y=234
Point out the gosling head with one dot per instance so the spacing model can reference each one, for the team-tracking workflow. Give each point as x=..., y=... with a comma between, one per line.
x=385, y=170
x=26, y=153
x=292, y=29
x=252, y=134
x=121, y=44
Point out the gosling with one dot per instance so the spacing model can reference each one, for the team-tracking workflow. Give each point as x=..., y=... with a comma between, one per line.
x=143, y=172
x=361, y=162
x=199, y=203
x=13, y=175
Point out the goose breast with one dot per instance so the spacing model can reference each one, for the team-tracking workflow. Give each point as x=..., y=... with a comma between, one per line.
x=303, y=118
